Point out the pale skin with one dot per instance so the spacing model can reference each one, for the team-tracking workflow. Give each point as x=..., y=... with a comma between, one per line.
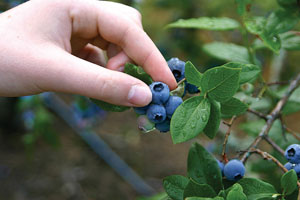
x=58, y=45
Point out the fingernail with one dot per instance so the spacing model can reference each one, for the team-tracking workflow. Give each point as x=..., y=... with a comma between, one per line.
x=139, y=95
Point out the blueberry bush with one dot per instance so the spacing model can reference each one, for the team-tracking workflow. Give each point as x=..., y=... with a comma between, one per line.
x=214, y=100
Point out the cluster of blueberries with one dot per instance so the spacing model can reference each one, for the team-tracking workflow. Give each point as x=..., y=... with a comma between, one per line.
x=162, y=107
x=233, y=170
x=159, y=112
x=292, y=154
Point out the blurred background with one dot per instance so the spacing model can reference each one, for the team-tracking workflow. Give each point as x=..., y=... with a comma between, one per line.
x=47, y=152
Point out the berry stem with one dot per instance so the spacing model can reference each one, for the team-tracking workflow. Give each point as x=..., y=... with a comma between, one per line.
x=181, y=81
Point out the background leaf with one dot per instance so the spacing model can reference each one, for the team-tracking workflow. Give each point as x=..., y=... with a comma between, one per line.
x=227, y=52
x=290, y=41
x=289, y=182
x=221, y=83
x=203, y=167
x=207, y=23
x=189, y=119
x=175, y=185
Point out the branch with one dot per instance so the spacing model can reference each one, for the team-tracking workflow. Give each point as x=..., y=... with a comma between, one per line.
x=259, y=114
x=226, y=138
x=292, y=132
x=275, y=114
x=268, y=156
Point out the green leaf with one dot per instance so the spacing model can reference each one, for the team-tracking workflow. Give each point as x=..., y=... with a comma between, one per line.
x=203, y=167
x=214, y=121
x=236, y=193
x=189, y=119
x=253, y=186
x=159, y=196
x=290, y=41
x=288, y=4
x=138, y=73
x=242, y=5
x=194, y=189
x=263, y=196
x=227, y=52
x=233, y=107
x=256, y=25
x=221, y=83
x=207, y=23
x=175, y=185
x=280, y=21
x=109, y=107
x=193, y=76
x=248, y=73
x=204, y=198
x=289, y=182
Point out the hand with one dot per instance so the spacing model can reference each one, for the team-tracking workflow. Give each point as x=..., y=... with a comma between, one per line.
x=54, y=45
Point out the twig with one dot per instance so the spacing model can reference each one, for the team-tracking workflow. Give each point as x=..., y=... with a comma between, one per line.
x=259, y=114
x=268, y=156
x=274, y=145
x=226, y=138
x=275, y=114
x=292, y=132
x=278, y=83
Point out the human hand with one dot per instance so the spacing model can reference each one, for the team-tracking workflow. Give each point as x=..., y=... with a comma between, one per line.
x=54, y=45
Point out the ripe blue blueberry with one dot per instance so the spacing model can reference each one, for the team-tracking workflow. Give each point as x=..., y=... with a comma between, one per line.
x=221, y=166
x=292, y=153
x=156, y=113
x=172, y=104
x=289, y=166
x=160, y=92
x=163, y=126
x=297, y=169
x=177, y=67
x=234, y=170
x=141, y=110
x=192, y=89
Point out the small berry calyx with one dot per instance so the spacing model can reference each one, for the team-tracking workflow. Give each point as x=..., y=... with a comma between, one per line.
x=234, y=170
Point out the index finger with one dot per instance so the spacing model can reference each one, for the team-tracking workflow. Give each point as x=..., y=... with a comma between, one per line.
x=123, y=31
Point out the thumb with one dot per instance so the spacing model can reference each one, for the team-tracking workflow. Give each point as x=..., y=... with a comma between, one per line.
x=69, y=74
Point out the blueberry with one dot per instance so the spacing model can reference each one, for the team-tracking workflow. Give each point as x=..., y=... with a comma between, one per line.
x=292, y=153
x=172, y=104
x=297, y=169
x=289, y=166
x=234, y=170
x=177, y=67
x=221, y=166
x=141, y=110
x=156, y=113
x=163, y=126
x=160, y=92
x=192, y=89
